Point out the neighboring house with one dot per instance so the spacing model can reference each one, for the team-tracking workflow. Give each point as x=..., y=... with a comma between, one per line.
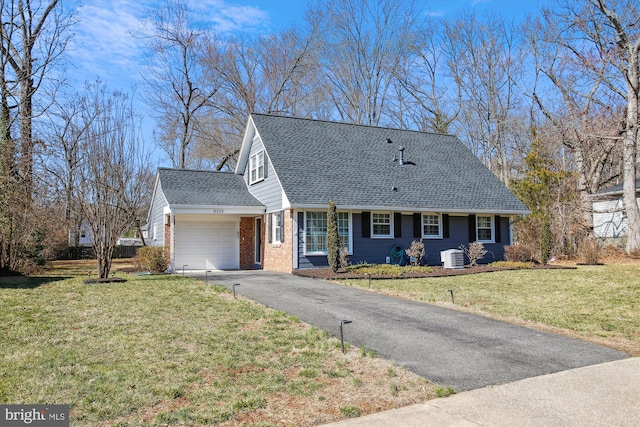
x=84, y=237
x=81, y=236
x=608, y=212
x=390, y=186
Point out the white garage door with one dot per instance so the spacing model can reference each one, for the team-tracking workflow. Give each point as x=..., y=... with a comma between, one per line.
x=207, y=245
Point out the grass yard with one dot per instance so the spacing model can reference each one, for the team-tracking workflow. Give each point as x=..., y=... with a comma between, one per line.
x=160, y=350
x=597, y=303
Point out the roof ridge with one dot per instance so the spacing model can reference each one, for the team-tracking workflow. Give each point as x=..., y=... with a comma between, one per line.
x=193, y=170
x=351, y=124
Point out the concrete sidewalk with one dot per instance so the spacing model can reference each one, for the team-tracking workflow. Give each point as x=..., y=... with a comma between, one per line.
x=607, y=394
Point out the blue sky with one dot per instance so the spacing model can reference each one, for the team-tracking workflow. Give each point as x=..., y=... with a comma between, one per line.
x=104, y=49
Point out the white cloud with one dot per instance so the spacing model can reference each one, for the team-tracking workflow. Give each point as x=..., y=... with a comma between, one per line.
x=226, y=17
x=104, y=46
x=436, y=13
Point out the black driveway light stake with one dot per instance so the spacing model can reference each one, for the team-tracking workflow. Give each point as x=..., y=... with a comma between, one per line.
x=368, y=276
x=451, y=292
x=183, y=266
x=234, y=289
x=206, y=276
x=343, y=322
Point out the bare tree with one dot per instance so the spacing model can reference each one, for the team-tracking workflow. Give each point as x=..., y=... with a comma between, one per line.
x=175, y=83
x=272, y=75
x=363, y=43
x=112, y=179
x=66, y=133
x=33, y=35
x=617, y=22
x=428, y=79
x=484, y=60
x=589, y=52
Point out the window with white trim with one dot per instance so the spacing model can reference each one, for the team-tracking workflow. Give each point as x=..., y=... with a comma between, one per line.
x=316, y=231
x=484, y=228
x=256, y=167
x=381, y=224
x=432, y=226
x=277, y=226
x=343, y=230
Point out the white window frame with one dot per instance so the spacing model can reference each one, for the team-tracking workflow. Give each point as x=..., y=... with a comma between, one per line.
x=276, y=218
x=254, y=166
x=493, y=231
x=373, y=223
x=349, y=233
x=432, y=236
x=306, y=227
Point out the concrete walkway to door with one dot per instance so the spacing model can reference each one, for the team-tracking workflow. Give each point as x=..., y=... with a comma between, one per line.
x=448, y=347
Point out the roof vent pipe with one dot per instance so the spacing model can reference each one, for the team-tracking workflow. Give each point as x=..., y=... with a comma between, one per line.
x=401, y=155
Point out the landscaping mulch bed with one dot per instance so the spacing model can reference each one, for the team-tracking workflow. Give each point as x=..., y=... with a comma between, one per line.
x=327, y=274
x=105, y=280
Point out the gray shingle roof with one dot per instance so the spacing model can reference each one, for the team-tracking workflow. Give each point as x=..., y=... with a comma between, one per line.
x=353, y=165
x=616, y=189
x=190, y=187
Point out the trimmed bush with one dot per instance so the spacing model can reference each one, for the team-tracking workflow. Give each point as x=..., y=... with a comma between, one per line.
x=333, y=239
x=518, y=253
x=415, y=252
x=475, y=252
x=153, y=258
x=590, y=251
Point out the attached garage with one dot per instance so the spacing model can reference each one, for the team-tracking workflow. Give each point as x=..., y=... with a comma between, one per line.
x=203, y=243
x=196, y=216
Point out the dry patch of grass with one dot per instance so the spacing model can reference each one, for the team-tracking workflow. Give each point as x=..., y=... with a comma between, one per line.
x=597, y=303
x=160, y=350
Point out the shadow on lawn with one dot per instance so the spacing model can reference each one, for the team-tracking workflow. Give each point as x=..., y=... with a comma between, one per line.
x=24, y=282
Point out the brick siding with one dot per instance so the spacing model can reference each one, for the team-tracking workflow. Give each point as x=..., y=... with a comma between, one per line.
x=279, y=256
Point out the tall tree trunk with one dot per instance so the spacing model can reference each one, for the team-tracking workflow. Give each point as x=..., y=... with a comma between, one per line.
x=629, y=153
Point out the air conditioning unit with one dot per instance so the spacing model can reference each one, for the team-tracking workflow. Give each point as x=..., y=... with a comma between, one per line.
x=452, y=258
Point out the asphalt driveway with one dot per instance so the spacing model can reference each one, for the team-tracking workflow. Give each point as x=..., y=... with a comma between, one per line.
x=447, y=347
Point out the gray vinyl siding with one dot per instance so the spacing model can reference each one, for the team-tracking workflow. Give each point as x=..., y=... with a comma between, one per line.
x=157, y=217
x=269, y=190
x=376, y=250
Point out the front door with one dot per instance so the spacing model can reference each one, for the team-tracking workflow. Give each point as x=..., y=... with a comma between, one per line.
x=258, y=241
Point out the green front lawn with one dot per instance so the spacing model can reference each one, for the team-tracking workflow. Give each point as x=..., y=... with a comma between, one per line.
x=599, y=303
x=166, y=349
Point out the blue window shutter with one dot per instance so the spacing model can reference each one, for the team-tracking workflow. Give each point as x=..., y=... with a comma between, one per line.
x=445, y=226
x=417, y=225
x=497, y=229
x=397, y=224
x=269, y=230
x=472, y=228
x=366, y=224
